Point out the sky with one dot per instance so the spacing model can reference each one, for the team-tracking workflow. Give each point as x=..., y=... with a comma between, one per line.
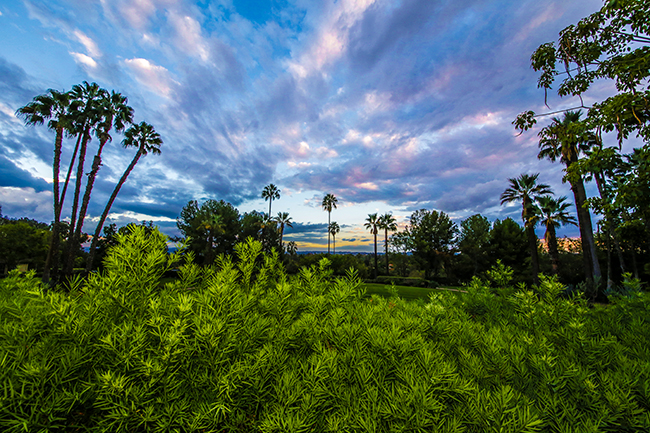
x=392, y=106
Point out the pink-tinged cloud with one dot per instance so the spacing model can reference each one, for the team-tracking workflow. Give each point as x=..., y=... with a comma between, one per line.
x=156, y=78
x=188, y=36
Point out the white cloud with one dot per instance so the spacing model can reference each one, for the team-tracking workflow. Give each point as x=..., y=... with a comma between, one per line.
x=84, y=60
x=156, y=78
x=91, y=47
x=19, y=202
x=188, y=35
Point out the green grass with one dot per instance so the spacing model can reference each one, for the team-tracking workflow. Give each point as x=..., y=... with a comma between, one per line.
x=405, y=292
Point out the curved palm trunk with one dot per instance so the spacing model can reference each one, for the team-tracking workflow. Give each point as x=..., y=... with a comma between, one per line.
x=56, y=166
x=73, y=241
x=67, y=178
x=590, y=260
x=375, y=270
x=97, y=162
x=386, y=247
x=551, y=241
x=93, y=245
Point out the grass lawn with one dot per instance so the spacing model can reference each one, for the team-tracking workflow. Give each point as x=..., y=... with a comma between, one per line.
x=406, y=292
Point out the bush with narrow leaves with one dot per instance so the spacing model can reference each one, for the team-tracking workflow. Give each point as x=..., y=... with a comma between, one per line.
x=242, y=347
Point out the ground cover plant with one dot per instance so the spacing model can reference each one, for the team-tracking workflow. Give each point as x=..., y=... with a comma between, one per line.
x=242, y=347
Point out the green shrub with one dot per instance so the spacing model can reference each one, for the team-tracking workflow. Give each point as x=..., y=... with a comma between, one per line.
x=240, y=346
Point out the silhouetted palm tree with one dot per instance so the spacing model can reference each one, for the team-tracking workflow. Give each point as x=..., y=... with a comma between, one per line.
x=270, y=193
x=526, y=189
x=53, y=105
x=372, y=224
x=564, y=139
x=387, y=222
x=552, y=213
x=334, y=228
x=112, y=111
x=283, y=219
x=148, y=141
x=329, y=203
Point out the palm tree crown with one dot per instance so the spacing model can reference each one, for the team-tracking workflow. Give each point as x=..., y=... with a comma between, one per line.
x=270, y=193
x=334, y=228
x=526, y=189
x=283, y=219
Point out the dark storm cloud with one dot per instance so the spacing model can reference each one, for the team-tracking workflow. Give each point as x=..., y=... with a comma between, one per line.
x=13, y=176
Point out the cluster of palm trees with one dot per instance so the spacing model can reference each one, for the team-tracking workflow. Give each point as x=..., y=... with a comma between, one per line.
x=538, y=206
x=84, y=112
x=270, y=193
x=374, y=223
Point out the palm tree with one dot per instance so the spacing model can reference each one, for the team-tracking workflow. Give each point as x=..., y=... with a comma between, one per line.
x=283, y=219
x=387, y=222
x=292, y=248
x=270, y=193
x=145, y=137
x=564, y=139
x=526, y=189
x=85, y=106
x=334, y=228
x=372, y=224
x=329, y=203
x=53, y=105
x=552, y=213
x=112, y=111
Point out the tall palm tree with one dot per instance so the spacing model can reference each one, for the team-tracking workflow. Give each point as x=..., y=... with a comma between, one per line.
x=147, y=140
x=526, y=189
x=334, y=228
x=329, y=203
x=552, y=213
x=283, y=219
x=564, y=139
x=53, y=105
x=387, y=222
x=86, y=108
x=113, y=111
x=270, y=193
x=292, y=248
x=372, y=224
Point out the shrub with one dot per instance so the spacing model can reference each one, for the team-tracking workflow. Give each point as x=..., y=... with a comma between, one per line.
x=241, y=346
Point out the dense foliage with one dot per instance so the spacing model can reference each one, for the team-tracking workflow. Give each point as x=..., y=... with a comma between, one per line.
x=240, y=346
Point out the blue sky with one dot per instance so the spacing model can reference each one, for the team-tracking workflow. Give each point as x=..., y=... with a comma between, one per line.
x=392, y=106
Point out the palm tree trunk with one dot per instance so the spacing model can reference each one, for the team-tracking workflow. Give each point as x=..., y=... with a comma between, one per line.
x=91, y=255
x=270, y=201
x=73, y=241
x=329, y=216
x=375, y=272
x=590, y=260
x=333, y=244
x=386, y=247
x=551, y=241
x=97, y=162
x=57, y=212
x=281, y=246
x=532, y=246
x=67, y=178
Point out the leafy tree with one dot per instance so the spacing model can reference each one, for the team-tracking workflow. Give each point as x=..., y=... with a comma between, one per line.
x=526, y=189
x=292, y=248
x=147, y=140
x=432, y=237
x=329, y=203
x=191, y=224
x=509, y=243
x=334, y=228
x=552, y=213
x=54, y=106
x=21, y=242
x=473, y=240
x=270, y=193
x=372, y=224
x=283, y=219
x=387, y=223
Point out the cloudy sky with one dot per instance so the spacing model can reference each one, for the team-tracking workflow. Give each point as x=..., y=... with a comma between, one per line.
x=392, y=106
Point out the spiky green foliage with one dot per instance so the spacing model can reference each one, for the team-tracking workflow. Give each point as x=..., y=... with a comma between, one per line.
x=239, y=346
